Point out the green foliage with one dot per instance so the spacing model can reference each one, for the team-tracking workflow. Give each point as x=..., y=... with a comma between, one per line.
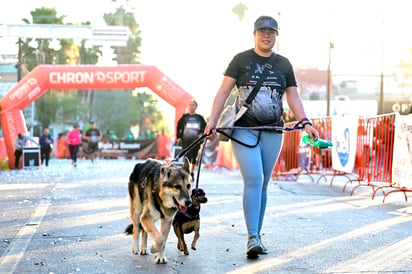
x=38, y=51
x=114, y=110
x=71, y=107
x=118, y=110
x=130, y=53
x=47, y=108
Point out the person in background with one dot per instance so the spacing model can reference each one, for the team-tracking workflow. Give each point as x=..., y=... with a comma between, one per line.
x=74, y=139
x=190, y=127
x=93, y=137
x=256, y=163
x=46, y=146
x=163, y=146
x=19, y=144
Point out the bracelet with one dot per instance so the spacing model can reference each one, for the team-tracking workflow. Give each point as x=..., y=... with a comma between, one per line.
x=307, y=123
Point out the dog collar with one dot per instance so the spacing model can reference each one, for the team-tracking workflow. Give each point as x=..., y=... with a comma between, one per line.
x=191, y=217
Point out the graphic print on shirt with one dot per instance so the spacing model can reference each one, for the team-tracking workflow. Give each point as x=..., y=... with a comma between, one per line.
x=94, y=134
x=266, y=108
x=192, y=128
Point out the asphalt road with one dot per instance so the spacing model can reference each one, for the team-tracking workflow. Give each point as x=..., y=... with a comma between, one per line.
x=62, y=219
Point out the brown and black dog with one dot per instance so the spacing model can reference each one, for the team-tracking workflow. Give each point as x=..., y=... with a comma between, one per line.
x=189, y=221
x=157, y=191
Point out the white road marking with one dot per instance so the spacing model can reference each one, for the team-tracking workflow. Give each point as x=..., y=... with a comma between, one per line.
x=15, y=252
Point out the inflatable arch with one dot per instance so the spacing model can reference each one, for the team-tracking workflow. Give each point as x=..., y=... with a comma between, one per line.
x=63, y=77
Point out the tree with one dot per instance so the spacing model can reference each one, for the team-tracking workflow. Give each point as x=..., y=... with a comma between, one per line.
x=137, y=108
x=130, y=53
x=39, y=51
x=52, y=104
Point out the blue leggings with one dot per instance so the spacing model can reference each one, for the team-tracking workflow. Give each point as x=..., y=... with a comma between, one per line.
x=256, y=166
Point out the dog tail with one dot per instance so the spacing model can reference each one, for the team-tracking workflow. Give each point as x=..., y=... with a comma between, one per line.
x=129, y=230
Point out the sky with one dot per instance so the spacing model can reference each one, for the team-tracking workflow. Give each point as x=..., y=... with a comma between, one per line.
x=192, y=41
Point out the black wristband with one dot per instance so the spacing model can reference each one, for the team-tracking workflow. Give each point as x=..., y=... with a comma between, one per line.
x=306, y=123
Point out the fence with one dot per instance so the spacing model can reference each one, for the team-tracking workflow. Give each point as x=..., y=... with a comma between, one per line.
x=373, y=157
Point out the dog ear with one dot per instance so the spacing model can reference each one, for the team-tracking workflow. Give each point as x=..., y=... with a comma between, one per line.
x=186, y=165
x=165, y=173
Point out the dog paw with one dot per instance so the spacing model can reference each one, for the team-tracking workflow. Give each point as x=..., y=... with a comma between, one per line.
x=155, y=248
x=160, y=260
x=143, y=252
x=134, y=250
x=193, y=247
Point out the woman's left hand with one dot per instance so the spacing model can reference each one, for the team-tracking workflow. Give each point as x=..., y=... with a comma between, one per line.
x=313, y=133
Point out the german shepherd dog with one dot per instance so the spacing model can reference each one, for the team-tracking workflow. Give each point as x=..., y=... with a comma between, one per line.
x=189, y=221
x=157, y=191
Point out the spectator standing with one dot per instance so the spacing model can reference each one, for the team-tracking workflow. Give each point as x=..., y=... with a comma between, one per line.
x=19, y=144
x=46, y=146
x=190, y=127
x=74, y=139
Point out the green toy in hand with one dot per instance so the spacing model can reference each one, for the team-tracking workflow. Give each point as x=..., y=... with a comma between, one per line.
x=319, y=143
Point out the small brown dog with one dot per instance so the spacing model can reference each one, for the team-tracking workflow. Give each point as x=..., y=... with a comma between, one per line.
x=189, y=221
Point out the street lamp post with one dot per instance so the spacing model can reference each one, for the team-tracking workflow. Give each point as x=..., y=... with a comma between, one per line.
x=329, y=82
x=382, y=79
x=19, y=55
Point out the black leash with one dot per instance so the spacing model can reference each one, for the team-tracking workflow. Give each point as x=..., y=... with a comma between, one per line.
x=299, y=125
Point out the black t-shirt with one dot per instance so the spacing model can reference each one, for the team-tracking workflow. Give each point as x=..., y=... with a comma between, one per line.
x=94, y=135
x=266, y=108
x=189, y=127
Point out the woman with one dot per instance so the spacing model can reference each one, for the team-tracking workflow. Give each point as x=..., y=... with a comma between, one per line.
x=256, y=164
x=74, y=139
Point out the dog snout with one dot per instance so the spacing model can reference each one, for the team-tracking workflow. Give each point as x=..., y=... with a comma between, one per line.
x=188, y=202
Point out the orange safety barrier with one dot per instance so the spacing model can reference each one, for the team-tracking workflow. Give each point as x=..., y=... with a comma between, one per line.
x=164, y=147
x=376, y=156
x=225, y=156
x=295, y=159
x=321, y=159
x=373, y=157
x=287, y=165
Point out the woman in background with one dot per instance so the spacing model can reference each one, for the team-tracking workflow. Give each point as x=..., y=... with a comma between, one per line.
x=74, y=139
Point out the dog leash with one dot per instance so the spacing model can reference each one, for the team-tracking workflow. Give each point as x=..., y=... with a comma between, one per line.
x=299, y=125
x=183, y=152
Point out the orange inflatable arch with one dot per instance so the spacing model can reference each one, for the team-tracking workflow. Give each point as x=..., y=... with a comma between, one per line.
x=64, y=77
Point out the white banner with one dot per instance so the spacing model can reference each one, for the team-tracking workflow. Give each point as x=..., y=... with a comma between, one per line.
x=344, y=139
x=402, y=152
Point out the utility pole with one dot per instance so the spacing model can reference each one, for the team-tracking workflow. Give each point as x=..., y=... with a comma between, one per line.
x=382, y=78
x=19, y=61
x=329, y=82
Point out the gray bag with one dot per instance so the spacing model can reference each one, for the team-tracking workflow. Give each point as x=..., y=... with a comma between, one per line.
x=227, y=119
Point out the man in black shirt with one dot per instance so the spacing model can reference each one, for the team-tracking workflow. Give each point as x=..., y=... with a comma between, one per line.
x=93, y=137
x=190, y=127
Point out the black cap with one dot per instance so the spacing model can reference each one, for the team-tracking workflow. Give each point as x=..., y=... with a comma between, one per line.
x=266, y=22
